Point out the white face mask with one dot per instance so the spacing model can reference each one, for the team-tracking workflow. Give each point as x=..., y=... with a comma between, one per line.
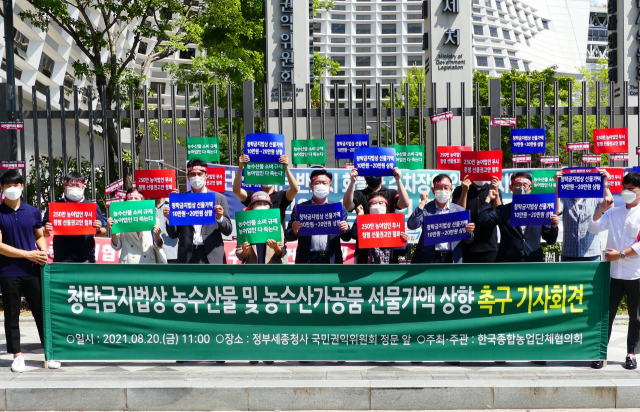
x=13, y=193
x=479, y=182
x=628, y=196
x=321, y=191
x=443, y=196
x=377, y=210
x=261, y=208
x=197, y=182
x=75, y=194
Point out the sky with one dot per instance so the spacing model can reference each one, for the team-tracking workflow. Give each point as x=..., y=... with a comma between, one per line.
x=599, y=2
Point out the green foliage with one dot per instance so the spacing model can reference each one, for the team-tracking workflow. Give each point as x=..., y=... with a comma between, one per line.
x=320, y=65
x=415, y=76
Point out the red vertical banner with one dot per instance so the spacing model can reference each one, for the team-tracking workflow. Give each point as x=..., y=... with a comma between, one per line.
x=72, y=218
x=449, y=156
x=380, y=230
x=611, y=140
x=616, y=174
x=481, y=165
x=216, y=179
x=157, y=183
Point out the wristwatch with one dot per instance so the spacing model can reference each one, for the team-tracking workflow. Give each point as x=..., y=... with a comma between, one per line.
x=622, y=255
x=606, y=186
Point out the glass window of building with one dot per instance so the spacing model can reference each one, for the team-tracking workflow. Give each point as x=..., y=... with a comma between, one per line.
x=363, y=49
x=499, y=61
x=505, y=34
x=476, y=18
x=388, y=29
x=517, y=37
x=363, y=72
x=337, y=49
x=497, y=51
x=363, y=29
x=363, y=8
x=388, y=8
x=545, y=24
x=388, y=17
x=340, y=7
x=414, y=60
x=499, y=5
x=338, y=16
x=413, y=40
x=493, y=31
x=414, y=27
x=514, y=64
x=511, y=53
x=337, y=28
x=475, y=10
x=388, y=61
x=482, y=61
x=391, y=40
x=526, y=65
x=388, y=49
x=389, y=72
x=478, y=30
x=363, y=17
x=417, y=16
x=337, y=40
x=341, y=60
x=363, y=61
x=363, y=40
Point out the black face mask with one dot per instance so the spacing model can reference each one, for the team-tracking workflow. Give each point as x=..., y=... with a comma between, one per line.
x=373, y=181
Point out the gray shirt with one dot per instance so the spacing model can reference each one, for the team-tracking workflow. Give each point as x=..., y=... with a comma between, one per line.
x=170, y=246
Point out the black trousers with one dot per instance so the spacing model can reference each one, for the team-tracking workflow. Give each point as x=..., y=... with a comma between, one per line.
x=479, y=257
x=199, y=256
x=631, y=288
x=12, y=290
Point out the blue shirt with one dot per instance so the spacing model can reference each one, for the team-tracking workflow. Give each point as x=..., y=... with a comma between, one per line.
x=17, y=228
x=75, y=248
x=576, y=239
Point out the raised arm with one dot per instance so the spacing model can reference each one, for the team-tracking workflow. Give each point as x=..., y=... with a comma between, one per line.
x=417, y=217
x=466, y=184
x=347, y=201
x=403, y=199
x=240, y=193
x=293, y=183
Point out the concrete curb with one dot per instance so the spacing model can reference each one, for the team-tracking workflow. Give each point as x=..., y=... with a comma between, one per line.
x=317, y=395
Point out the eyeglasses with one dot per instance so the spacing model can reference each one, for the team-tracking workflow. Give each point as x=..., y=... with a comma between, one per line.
x=519, y=185
x=378, y=202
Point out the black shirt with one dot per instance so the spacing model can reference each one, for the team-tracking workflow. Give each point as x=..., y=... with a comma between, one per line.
x=278, y=200
x=485, y=237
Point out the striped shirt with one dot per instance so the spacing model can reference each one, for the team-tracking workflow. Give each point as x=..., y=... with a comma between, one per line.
x=576, y=239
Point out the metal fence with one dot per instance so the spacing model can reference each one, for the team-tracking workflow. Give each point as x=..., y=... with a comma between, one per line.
x=385, y=108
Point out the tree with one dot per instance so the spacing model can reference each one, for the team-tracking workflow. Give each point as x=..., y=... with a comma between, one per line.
x=320, y=66
x=415, y=76
x=600, y=76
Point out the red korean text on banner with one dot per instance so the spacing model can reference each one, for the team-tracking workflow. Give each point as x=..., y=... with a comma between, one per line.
x=638, y=151
x=616, y=174
x=481, y=165
x=619, y=157
x=380, y=230
x=611, y=140
x=572, y=147
x=449, y=156
x=156, y=184
x=72, y=218
x=216, y=179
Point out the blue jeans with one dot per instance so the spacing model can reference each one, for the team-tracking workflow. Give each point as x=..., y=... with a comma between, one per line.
x=564, y=258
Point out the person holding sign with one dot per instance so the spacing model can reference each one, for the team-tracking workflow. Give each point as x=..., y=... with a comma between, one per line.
x=279, y=199
x=318, y=248
x=578, y=244
x=444, y=252
x=396, y=200
x=271, y=252
x=517, y=243
x=23, y=251
x=623, y=248
x=201, y=244
x=138, y=247
x=75, y=248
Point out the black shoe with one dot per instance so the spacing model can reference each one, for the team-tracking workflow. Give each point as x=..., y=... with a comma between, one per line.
x=253, y=362
x=500, y=362
x=630, y=363
x=220, y=361
x=268, y=362
x=455, y=363
x=597, y=364
x=539, y=362
x=416, y=361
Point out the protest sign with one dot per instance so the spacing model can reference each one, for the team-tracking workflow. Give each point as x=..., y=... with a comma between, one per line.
x=409, y=156
x=549, y=160
x=309, y=152
x=578, y=185
x=636, y=169
x=638, y=151
x=72, y=218
x=133, y=216
x=580, y=170
x=527, y=141
x=216, y=179
x=118, y=184
x=437, y=118
x=619, y=157
x=120, y=194
x=481, y=165
x=515, y=159
x=264, y=147
x=449, y=156
x=543, y=181
x=375, y=161
x=264, y=173
x=187, y=209
x=610, y=140
x=12, y=164
x=157, y=183
x=572, y=147
x=258, y=226
x=533, y=209
x=504, y=121
x=11, y=125
x=346, y=144
x=616, y=174
x=591, y=159
x=380, y=230
x=445, y=228
x=319, y=219
x=206, y=149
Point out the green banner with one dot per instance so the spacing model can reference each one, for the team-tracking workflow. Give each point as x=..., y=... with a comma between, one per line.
x=256, y=173
x=133, y=216
x=543, y=180
x=309, y=151
x=258, y=226
x=409, y=156
x=469, y=312
x=203, y=148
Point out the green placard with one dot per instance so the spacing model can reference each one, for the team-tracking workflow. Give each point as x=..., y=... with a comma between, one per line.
x=431, y=312
x=543, y=180
x=133, y=216
x=257, y=173
x=203, y=148
x=309, y=151
x=258, y=226
x=409, y=156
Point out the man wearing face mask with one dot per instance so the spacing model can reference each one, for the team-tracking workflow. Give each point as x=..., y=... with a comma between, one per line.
x=396, y=199
x=623, y=247
x=23, y=250
x=447, y=252
x=471, y=196
x=320, y=248
x=517, y=243
x=75, y=248
x=279, y=199
x=201, y=244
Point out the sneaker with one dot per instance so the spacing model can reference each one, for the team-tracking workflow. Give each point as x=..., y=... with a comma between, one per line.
x=52, y=364
x=18, y=364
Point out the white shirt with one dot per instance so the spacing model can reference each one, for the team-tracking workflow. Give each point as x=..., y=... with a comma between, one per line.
x=443, y=247
x=623, y=225
x=319, y=243
x=197, y=229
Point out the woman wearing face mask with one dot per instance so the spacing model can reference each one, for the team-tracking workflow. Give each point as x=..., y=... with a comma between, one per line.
x=378, y=206
x=271, y=252
x=138, y=247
